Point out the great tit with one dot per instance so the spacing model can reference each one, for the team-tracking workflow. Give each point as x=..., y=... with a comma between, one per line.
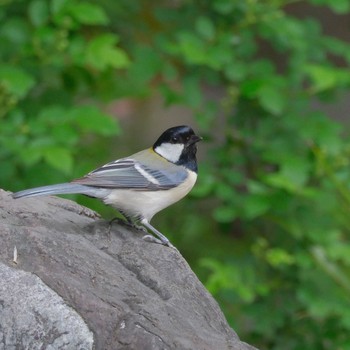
x=141, y=185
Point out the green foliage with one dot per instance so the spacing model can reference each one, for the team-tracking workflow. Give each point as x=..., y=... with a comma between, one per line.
x=269, y=231
x=50, y=68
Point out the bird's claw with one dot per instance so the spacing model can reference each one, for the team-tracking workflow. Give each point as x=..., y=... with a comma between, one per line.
x=152, y=239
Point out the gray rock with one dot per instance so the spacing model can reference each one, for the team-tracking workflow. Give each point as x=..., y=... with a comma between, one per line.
x=33, y=316
x=79, y=284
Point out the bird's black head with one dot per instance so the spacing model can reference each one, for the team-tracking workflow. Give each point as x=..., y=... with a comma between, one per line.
x=178, y=145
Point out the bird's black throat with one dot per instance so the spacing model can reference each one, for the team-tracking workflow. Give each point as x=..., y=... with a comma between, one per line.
x=188, y=158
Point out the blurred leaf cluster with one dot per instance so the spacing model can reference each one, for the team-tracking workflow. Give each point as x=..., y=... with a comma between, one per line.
x=267, y=229
x=52, y=87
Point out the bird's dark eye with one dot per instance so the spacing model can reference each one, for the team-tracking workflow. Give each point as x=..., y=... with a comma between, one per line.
x=174, y=139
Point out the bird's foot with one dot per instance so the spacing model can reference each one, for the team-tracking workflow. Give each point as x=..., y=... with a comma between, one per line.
x=127, y=223
x=152, y=239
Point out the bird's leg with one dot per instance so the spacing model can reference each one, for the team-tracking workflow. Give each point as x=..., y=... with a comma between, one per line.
x=162, y=239
x=146, y=225
x=110, y=223
x=120, y=221
x=128, y=222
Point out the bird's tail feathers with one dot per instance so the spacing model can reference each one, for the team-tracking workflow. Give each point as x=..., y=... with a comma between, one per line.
x=65, y=188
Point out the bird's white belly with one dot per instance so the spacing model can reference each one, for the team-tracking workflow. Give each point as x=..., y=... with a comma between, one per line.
x=145, y=204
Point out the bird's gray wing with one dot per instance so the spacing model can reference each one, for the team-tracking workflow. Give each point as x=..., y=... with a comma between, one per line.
x=133, y=174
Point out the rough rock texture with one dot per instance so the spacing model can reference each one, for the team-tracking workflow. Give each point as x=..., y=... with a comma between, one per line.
x=33, y=316
x=75, y=284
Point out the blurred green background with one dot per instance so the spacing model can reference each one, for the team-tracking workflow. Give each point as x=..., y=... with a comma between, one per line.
x=266, y=83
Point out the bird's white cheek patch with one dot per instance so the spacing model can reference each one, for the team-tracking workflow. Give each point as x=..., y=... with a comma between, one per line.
x=171, y=152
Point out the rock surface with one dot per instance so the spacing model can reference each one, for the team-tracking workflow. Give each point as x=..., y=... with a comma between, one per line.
x=68, y=282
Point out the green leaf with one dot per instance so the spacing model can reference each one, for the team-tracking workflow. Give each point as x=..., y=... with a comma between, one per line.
x=324, y=131
x=338, y=6
x=325, y=281
x=269, y=92
x=16, y=80
x=38, y=12
x=224, y=7
x=31, y=155
x=205, y=27
x=272, y=99
x=102, y=53
x=146, y=64
x=331, y=269
x=65, y=134
x=249, y=88
x=192, y=48
x=16, y=31
x=59, y=158
x=323, y=78
x=236, y=70
x=225, y=214
x=192, y=92
x=205, y=183
x=230, y=277
x=326, y=77
x=90, y=118
x=255, y=205
x=293, y=174
x=88, y=13
x=58, y=5
x=279, y=257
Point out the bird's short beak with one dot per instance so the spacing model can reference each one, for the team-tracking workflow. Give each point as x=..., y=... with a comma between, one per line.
x=194, y=139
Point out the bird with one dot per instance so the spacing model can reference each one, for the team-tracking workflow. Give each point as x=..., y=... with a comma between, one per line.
x=141, y=185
